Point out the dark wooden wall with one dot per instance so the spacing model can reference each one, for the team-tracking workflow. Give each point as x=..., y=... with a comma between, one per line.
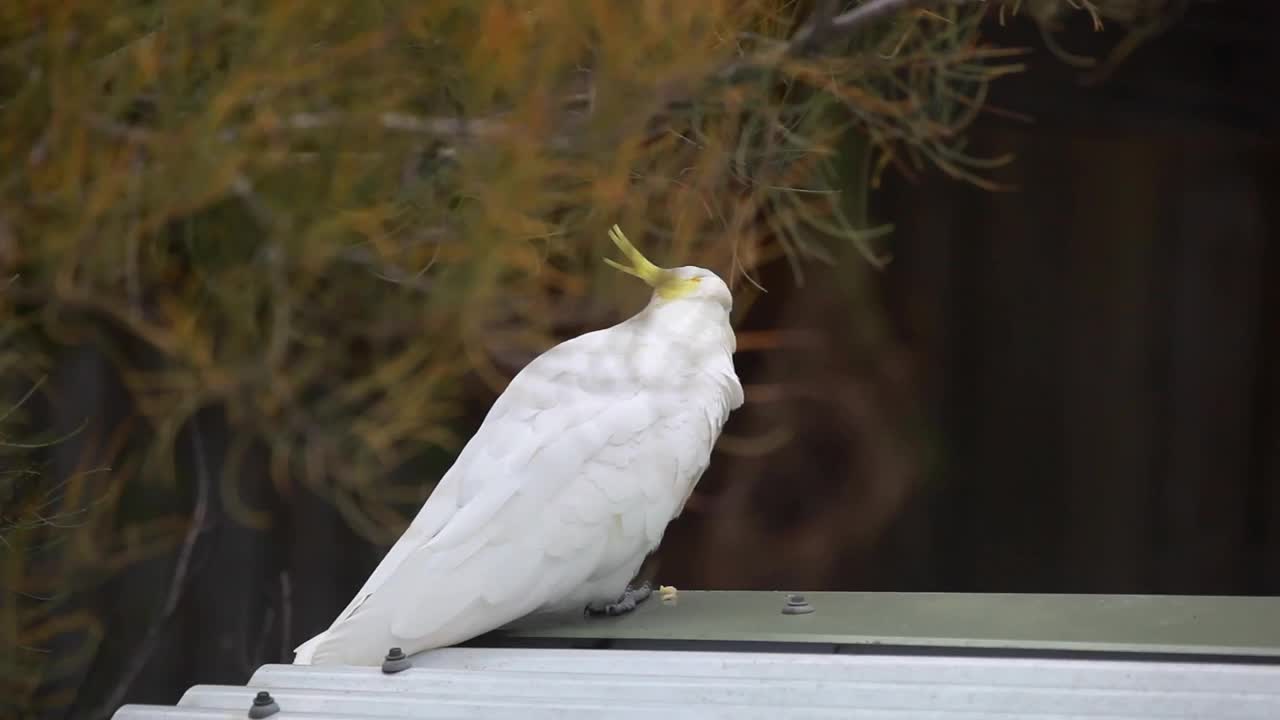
x=1092, y=358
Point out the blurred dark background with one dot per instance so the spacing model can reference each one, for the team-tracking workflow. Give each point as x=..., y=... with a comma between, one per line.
x=1070, y=386
x=1074, y=385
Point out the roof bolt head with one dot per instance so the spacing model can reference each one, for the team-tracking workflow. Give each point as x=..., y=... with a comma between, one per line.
x=395, y=661
x=796, y=605
x=263, y=705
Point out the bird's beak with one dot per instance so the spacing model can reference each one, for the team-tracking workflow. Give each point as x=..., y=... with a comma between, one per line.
x=640, y=265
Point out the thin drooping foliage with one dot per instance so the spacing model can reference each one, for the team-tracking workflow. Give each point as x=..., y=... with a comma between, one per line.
x=322, y=218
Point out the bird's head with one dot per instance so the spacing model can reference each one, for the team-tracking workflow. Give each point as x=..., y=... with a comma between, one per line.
x=682, y=283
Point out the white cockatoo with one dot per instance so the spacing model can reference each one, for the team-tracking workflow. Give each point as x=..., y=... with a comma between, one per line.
x=567, y=486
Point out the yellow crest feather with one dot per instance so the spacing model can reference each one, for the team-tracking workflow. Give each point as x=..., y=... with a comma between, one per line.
x=664, y=282
x=640, y=265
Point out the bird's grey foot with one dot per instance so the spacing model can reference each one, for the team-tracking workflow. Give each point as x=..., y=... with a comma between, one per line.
x=625, y=604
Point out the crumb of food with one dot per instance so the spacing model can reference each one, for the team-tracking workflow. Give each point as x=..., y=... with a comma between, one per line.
x=668, y=593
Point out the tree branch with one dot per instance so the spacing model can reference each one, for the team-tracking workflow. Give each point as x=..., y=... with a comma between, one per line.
x=177, y=583
x=823, y=28
x=826, y=25
x=872, y=10
x=814, y=34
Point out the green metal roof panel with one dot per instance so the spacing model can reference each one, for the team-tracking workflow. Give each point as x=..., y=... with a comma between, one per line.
x=1171, y=624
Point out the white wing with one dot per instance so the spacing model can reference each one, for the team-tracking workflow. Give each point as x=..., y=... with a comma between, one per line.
x=564, y=477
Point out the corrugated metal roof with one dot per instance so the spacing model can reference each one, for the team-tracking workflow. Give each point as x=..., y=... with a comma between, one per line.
x=622, y=684
x=823, y=673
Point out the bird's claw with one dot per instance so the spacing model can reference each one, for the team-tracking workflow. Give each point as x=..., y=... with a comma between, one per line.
x=629, y=601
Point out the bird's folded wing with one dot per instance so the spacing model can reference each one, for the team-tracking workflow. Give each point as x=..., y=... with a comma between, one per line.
x=514, y=544
x=506, y=433
x=530, y=504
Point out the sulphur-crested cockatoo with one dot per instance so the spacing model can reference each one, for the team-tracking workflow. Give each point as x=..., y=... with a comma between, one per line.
x=568, y=484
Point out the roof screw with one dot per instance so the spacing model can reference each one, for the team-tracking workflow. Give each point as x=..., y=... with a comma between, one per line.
x=395, y=661
x=263, y=705
x=796, y=605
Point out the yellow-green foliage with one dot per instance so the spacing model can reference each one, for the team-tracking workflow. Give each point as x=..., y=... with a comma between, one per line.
x=323, y=216
x=309, y=209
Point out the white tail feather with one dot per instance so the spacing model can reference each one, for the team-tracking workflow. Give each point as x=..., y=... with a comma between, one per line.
x=303, y=653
